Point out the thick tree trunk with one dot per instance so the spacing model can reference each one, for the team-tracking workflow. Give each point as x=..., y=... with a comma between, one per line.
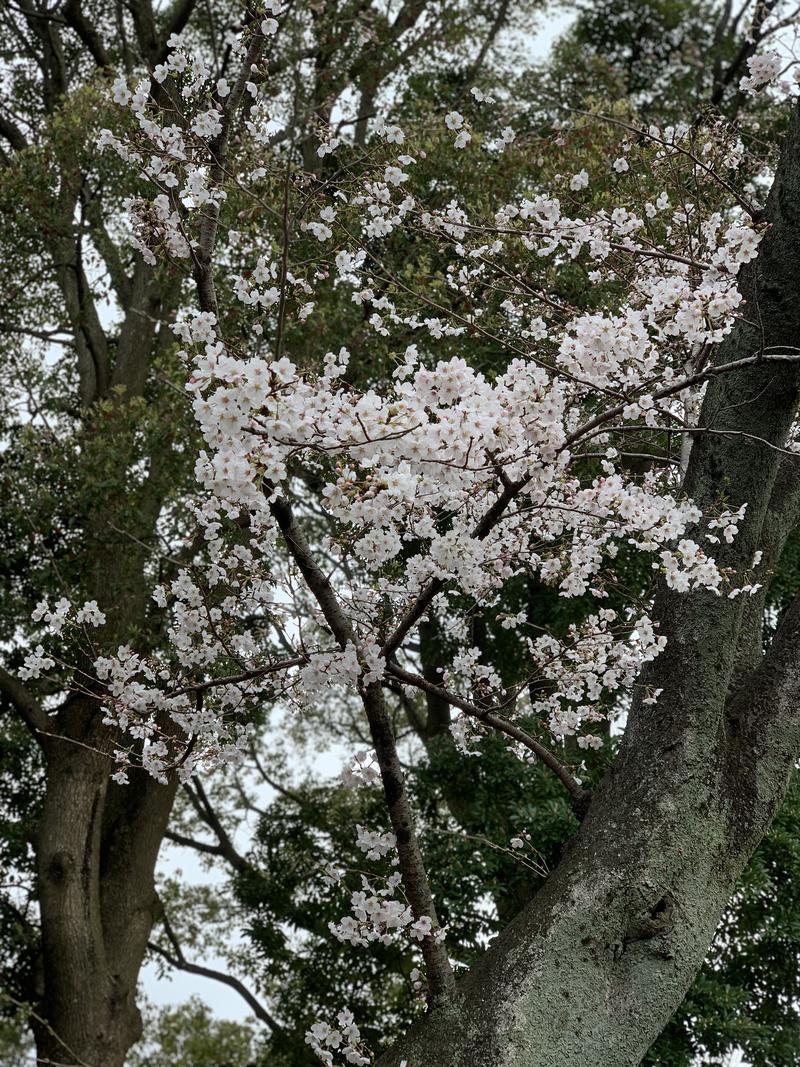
x=97, y=846
x=97, y=842
x=595, y=965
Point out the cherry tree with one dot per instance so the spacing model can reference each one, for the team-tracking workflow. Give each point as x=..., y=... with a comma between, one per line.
x=440, y=485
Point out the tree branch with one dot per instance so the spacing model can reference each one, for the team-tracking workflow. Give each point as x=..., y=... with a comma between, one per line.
x=175, y=22
x=75, y=19
x=91, y=343
x=489, y=716
x=441, y=981
x=415, y=879
x=189, y=842
x=246, y=676
x=180, y=963
x=178, y=960
x=202, y=805
x=746, y=49
x=13, y=134
x=108, y=249
x=314, y=578
x=29, y=708
x=207, y=237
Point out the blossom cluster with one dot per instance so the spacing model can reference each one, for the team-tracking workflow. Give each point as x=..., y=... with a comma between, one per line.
x=439, y=476
x=62, y=614
x=590, y=671
x=344, y=1038
x=378, y=915
x=363, y=770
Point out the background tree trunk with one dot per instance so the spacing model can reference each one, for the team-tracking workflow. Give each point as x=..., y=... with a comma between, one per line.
x=96, y=849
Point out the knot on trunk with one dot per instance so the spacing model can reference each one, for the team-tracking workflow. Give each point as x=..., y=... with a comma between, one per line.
x=60, y=868
x=657, y=920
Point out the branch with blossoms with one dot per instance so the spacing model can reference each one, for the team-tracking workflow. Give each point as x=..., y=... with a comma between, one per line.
x=491, y=718
x=412, y=867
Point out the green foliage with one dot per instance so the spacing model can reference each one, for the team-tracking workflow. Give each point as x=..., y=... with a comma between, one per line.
x=16, y=1046
x=305, y=972
x=21, y=780
x=656, y=52
x=188, y=1035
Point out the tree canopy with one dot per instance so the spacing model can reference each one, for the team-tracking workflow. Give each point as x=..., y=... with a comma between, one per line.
x=378, y=398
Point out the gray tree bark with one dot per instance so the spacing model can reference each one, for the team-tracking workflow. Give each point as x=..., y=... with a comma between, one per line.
x=593, y=968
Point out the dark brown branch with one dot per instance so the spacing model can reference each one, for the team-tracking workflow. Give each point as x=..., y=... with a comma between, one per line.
x=91, y=343
x=207, y=237
x=182, y=964
x=498, y=22
x=29, y=708
x=175, y=22
x=290, y=794
x=425, y=598
x=418, y=724
x=108, y=249
x=144, y=24
x=441, y=981
x=202, y=805
x=246, y=676
x=13, y=134
x=746, y=49
x=497, y=722
x=412, y=868
x=314, y=578
x=76, y=20
x=40, y=335
x=190, y=842
x=178, y=960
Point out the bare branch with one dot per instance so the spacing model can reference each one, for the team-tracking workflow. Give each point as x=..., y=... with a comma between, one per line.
x=76, y=20
x=190, y=842
x=202, y=805
x=246, y=676
x=178, y=960
x=415, y=878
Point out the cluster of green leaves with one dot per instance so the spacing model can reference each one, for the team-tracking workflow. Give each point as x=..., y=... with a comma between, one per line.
x=188, y=1035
